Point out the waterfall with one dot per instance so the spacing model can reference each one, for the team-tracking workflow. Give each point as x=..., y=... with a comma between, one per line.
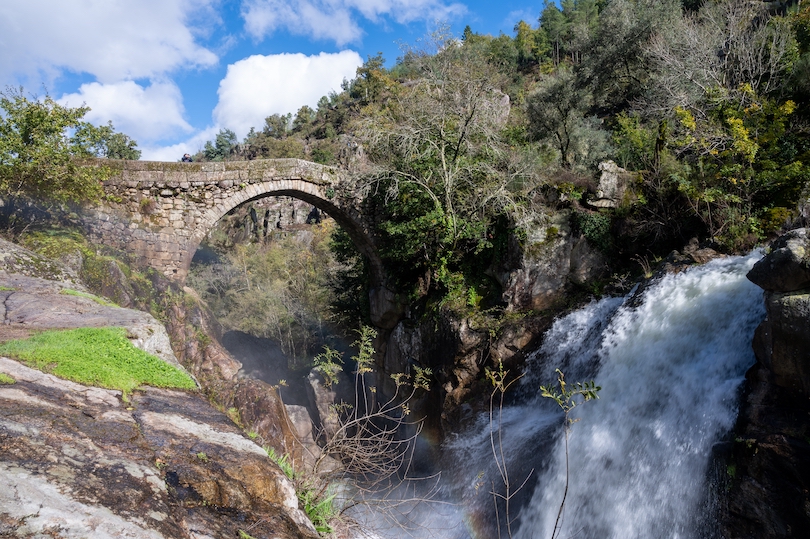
x=670, y=360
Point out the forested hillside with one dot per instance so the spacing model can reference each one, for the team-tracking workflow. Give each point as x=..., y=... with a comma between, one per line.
x=468, y=141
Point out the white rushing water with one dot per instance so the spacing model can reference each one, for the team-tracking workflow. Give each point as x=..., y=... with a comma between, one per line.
x=670, y=360
x=670, y=367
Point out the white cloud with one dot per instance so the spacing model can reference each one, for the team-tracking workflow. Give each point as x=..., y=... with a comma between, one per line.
x=176, y=151
x=336, y=20
x=259, y=86
x=145, y=114
x=111, y=39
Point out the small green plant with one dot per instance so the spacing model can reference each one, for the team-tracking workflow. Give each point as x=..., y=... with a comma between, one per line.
x=283, y=462
x=329, y=364
x=252, y=434
x=245, y=535
x=101, y=357
x=202, y=456
x=316, y=503
x=319, y=508
x=5, y=379
x=567, y=398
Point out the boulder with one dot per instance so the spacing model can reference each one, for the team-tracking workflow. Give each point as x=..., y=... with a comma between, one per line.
x=787, y=267
x=612, y=186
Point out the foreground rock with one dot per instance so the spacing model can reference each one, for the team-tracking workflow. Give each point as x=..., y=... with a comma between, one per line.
x=770, y=490
x=78, y=462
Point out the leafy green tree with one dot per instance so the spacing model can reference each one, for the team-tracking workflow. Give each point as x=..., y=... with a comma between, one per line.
x=277, y=125
x=222, y=147
x=303, y=118
x=38, y=157
x=103, y=141
x=555, y=25
x=532, y=45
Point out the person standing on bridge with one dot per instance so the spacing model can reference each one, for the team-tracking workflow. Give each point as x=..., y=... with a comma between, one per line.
x=186, y=158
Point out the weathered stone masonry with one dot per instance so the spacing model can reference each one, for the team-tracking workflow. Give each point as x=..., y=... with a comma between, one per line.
x=160, y=212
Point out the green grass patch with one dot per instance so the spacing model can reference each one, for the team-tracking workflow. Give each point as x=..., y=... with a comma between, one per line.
x=6, y=289
x=101, y=357
x=77, y=293
x=5, y=379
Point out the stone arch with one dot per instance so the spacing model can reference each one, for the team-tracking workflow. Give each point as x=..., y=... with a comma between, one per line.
x=302, y=190
x=159, y=212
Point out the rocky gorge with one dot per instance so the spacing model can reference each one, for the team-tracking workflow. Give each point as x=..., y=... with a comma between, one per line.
x=168, y=464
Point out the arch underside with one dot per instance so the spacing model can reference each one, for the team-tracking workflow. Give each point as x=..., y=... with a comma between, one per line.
x=362, y=240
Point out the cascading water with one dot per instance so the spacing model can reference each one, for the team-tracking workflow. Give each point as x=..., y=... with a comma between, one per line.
x=670, y=361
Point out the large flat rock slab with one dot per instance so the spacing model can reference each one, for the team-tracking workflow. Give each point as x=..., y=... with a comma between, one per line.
x=76, y=461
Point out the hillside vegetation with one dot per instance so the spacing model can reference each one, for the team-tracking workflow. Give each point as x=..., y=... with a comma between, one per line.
x=467, y=143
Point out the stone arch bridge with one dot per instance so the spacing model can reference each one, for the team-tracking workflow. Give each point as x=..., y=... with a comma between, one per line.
x=159, y=212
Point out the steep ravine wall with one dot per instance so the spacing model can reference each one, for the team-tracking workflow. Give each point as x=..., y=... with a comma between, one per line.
x=769, y=491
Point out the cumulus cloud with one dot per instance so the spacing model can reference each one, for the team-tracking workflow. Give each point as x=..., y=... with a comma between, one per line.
x=112, y=40
x=259, y=86
x=175, y=151
x=336, y=20
x=144, y=113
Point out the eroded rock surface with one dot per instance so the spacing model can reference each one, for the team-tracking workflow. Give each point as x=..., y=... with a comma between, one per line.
x=78, y=462
x=770, y=490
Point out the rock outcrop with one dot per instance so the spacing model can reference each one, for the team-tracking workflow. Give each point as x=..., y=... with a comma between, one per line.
x=770, y=463
x=612, y=187
x=76, y=461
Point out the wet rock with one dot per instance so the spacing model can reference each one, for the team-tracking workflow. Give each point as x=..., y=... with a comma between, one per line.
x=770, y=488
x=537, y=275
x=78, y=462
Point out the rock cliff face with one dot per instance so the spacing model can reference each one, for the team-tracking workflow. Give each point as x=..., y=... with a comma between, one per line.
x=770, y=463
x=535, y=277
x=79, y=462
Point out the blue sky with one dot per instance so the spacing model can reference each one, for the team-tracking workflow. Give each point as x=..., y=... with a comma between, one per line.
x=171, y=73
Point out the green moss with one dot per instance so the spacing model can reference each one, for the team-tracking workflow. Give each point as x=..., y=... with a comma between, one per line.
x=101, y=357
x=77, y=293
x=5, y=379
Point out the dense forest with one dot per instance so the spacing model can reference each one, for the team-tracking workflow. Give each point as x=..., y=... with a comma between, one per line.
x=468, y=141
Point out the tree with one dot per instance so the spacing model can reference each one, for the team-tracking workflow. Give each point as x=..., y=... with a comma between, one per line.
x=557, y=112
x=554, y=24
x=105, y=142
x=277, y=125
x=443, y=170
x=223, y=146
x=38, y=157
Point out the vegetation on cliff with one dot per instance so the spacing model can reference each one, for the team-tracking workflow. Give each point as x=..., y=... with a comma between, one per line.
x=465, y=143
x=101, y=357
